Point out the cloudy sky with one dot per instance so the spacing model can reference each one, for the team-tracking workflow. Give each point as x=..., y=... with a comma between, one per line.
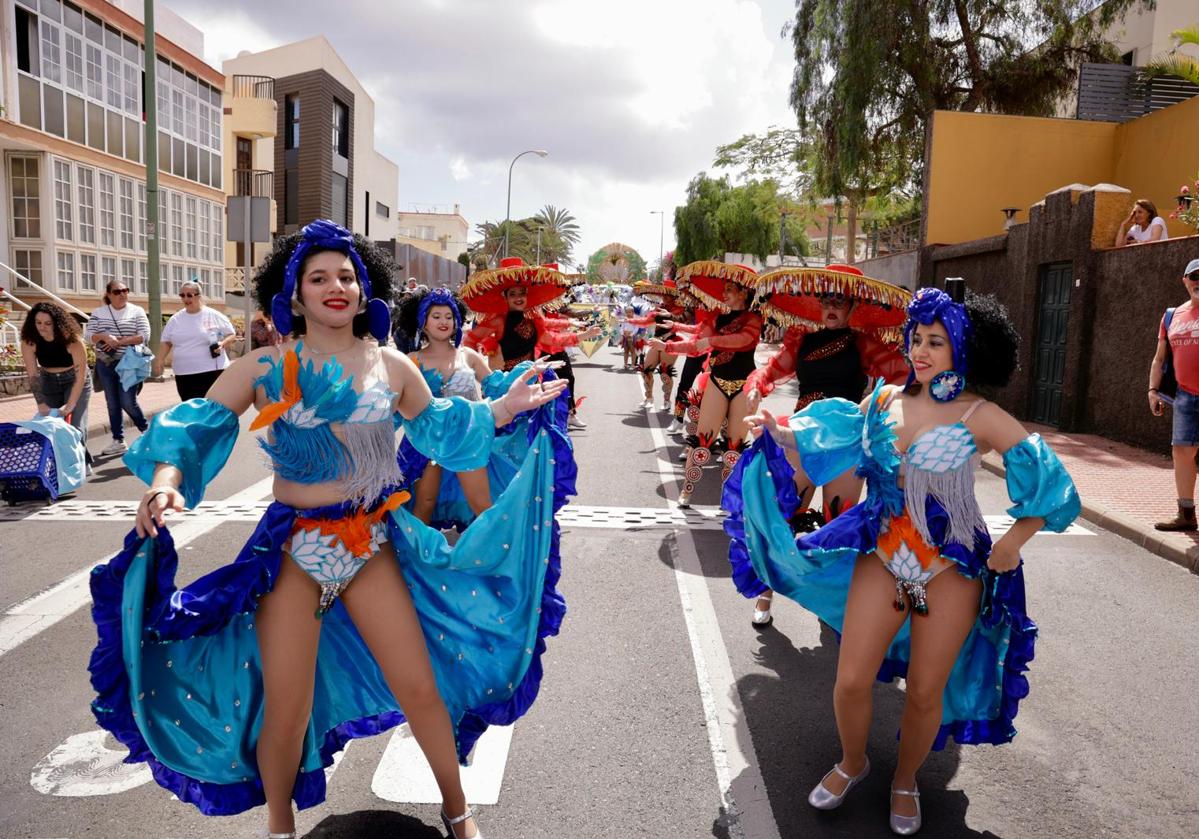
x=630, y=97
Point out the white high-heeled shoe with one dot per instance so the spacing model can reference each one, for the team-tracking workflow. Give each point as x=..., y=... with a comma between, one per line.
x=762, y=617
x=449, y=823
x=822, y=798
x=906, y=825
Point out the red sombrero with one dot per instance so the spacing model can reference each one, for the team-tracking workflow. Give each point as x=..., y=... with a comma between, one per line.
x=664, y=292
x=484, y=292
x=705, y=280
x=792, y=297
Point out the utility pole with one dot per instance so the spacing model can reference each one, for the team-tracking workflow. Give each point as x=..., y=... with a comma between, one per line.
x=538, y=260
x=150, y=103
x=782, y=235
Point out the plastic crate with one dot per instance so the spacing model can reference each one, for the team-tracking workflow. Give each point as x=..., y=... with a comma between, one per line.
x=28, y=471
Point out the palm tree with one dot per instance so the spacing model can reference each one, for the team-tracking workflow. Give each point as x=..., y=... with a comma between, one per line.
x=1175, y=64
x=559, y=233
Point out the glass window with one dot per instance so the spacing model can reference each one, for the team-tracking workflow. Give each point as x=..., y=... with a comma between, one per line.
x=108, y=237
x=26, y=198
x=205, y=125
x=66, y=270
x=291, y=121
x=141, y=217
x=176, y=224
x=51, y=52
x=74, y=45
x=126, y=214
x=129, y=275
x=87, y=272
x=95, y=72
x=52, y=9
x=64, y=227
x=94, y=29
x=164, y=227
x=190, y=109
x=215, y=140
x=340, y=201
x=142, y=277
x=112, y=80
x=29, y=265
x=133, y=80
x=108, y=270
x=206, y=282
x=190, y=228
x=87, y=204
x=164, y=275
x=176, y=278
x=218, y=233
x=218, y=284
x=341, y=129
x=163, y=82
x=177, y=111
x=72, y=16
x=205, y=231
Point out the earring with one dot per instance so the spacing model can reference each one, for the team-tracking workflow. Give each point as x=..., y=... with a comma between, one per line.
x=947, y=385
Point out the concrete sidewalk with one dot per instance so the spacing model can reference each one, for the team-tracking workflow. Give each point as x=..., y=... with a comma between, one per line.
x=154, y=398
x=1123, y=489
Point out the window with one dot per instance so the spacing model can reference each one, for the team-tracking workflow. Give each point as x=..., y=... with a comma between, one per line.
x=26, y=200
x=291, y=121
x=27, y=37
x=190, y=110
x=95, y=72
x=341, y=129
x=218, y=233
x=205, y=231
x=63, y=209
x=108, y=270
x=206, y=282
x=382, y=210
x=142, y=277
x=133, y=79
x=66, y=270
x=205, y=125
x=74, y=45
x=141, y=217
x=51, y=52
x=190, y=229
x=112, y=64
x=128, y=275
x=176, y=224
x=164, y=228
x=108, y=237
x=340, y=203
x=87, y=272
x=176, y=278
x=126, y=218
x=176, y=112
x=163, y=83
x=29, y=265
x=87, y=205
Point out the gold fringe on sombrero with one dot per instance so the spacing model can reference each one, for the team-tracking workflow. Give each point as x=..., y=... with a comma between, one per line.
x=691, y=277
x=880, y=307
x=492, y=278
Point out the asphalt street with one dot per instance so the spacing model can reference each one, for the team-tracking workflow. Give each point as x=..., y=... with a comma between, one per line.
x=662, y=712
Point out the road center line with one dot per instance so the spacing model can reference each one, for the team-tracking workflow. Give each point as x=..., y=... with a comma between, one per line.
x=40, y=612
x=742, y=790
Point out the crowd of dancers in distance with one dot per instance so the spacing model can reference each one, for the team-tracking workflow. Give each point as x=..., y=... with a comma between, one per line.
x=240, y=687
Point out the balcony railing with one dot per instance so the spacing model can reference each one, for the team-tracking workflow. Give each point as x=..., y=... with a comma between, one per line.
x=260, y=182
x=253, y=87
x=1118, y=93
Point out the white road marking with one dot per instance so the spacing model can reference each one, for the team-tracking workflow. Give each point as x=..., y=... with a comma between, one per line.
x=742, y=790
x=84, y=766
x=404, y=776
x=42, y=611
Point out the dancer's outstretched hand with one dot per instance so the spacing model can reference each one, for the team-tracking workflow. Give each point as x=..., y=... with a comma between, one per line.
x=151, y=512
x=531, y=391
x=766, y=421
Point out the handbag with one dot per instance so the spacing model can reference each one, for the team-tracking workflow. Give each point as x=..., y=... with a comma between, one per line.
x=1167, y=390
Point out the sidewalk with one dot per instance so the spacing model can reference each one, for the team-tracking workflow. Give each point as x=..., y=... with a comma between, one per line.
x=1123, y=489
x=154, y=398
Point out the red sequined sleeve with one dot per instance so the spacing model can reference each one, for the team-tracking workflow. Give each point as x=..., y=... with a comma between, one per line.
x=745, y=338
x=551, y=340
x=485, y=336
x=781, y=365
x=882, y=359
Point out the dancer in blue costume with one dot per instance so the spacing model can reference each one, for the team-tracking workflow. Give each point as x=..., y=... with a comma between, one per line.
x=961, y=639
x=344, y=615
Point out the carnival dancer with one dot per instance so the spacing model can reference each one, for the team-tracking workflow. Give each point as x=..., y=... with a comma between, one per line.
x=344, y=615
x=686, y=399
x=909, y=577
x=431, y=322
x=666, y=296
x=843, y=329
x=732, y=337
x=561, y=321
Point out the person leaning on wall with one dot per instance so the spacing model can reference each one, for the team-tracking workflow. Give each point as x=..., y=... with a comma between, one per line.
x=1142, y=224
x=1178, y=342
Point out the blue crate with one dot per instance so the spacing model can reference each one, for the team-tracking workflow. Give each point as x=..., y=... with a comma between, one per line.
x=28, y=471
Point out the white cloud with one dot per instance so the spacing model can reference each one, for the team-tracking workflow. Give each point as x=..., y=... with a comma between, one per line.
x=458, y=169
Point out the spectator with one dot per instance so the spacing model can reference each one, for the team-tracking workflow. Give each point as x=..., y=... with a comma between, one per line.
x=56, y=362
x=1180, y=342
x=1142, y=225
x=196, y=337
x=263, y=332
x=111, y=328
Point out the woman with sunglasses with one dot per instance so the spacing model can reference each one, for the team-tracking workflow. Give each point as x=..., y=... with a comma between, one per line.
x=111, y=328
x=196, y=337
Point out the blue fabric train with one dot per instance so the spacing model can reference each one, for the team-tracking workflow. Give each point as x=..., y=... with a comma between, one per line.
x=176, y=670
x=832, y=435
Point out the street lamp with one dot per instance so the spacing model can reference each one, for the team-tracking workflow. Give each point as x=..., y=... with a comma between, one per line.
x=508, y=212
x=661, y=214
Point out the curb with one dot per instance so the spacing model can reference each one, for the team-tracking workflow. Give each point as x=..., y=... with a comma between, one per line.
x=1134, y=530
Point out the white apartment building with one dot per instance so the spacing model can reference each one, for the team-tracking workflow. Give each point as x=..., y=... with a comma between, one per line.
x=434, y=231
x=71, y=141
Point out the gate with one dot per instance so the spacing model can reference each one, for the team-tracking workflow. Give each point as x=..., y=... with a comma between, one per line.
x=1049, y=359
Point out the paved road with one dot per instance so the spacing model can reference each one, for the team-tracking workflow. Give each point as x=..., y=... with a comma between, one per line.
x=663, y=712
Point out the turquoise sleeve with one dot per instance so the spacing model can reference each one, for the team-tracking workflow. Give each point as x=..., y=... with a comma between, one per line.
x=828, y=434
x=1040, y=485
x=454, y=432
x=196, y=437
x=498, y=382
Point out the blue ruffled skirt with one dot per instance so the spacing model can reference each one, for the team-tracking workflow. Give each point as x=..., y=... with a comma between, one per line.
x=177, y=672
x=988, y=680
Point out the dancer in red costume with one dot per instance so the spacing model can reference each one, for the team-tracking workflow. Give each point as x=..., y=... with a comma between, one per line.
x=666, y=296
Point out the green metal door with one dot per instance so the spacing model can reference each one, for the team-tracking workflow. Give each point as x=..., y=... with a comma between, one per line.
x=1049, y=357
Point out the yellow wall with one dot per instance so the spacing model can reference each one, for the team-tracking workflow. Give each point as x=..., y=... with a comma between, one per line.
x=1157, y=154
x=981, y=163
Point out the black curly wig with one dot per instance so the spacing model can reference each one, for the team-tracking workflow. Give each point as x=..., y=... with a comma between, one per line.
x=66, y=330
x=268, y=281
x=994, y=344
x=409, y=309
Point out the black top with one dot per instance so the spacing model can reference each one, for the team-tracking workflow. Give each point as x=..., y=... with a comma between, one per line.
x=52, y=353
x=828, y=363
x=519, y=339
x=731, y=365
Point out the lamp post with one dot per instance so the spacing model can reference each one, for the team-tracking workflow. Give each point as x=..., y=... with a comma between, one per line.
x=508, y=212
x=538, y=260
x=661, y=214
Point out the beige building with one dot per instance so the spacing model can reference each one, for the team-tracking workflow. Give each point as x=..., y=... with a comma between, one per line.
x=72, y=183
x=251, y=125
x=439, y=233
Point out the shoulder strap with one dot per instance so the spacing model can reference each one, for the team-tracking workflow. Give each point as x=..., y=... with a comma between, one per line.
x=1168, y=318
x=970, y=411
x=116, y=324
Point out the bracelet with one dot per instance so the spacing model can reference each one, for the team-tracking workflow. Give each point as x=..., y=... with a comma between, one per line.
x=150, y=500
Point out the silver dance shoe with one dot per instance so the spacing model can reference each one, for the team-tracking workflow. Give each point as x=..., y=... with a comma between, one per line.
x=762, y=617
x=822, y=799
x=906, y=825
x=449, y=823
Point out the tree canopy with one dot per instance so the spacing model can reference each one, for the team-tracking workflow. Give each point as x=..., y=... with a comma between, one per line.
x=719, y=218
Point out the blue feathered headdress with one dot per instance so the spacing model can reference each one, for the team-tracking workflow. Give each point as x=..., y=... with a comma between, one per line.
x=932, y=304
x=440, y=297
x=324, y=235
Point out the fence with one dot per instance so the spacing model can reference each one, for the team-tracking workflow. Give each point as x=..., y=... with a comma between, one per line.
x=1119, y=93
x=253, y=87
x=254, y=182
